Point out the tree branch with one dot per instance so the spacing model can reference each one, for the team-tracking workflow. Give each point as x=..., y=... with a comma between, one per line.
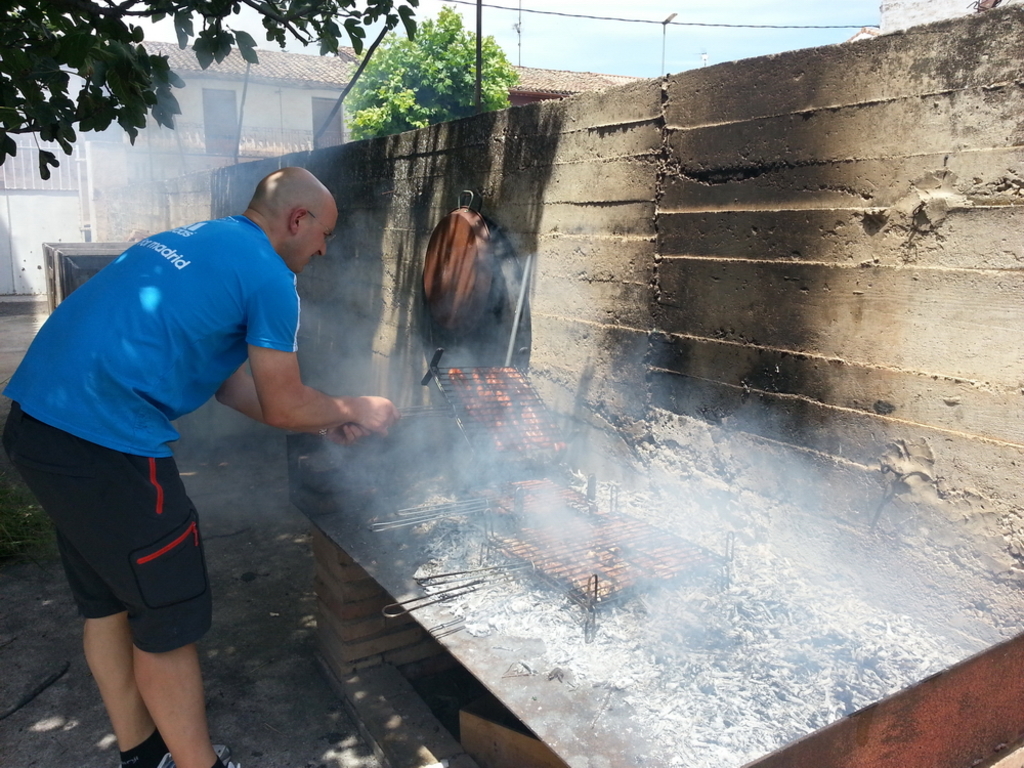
x=285, y=21
x=88, y=7
x=125, y=8
x=344, y=93
x=109, y=10
x=281, y=18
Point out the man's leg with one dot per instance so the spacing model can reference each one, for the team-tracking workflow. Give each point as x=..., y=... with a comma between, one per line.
x=108, y=651
x=109, y=512
x=171, y=682
x=171, y=685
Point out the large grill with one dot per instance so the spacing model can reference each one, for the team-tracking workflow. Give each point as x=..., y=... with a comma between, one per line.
x=680, y=670
x=498, y=410
x=595, y=555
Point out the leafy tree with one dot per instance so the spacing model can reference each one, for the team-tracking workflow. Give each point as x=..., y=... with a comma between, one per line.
x=429, y=79
x=78, y=65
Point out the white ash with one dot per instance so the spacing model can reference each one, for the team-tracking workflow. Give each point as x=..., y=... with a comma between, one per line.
x=716, y=677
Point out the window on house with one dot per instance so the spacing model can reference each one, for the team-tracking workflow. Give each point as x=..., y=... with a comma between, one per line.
x=220, y=121
x=333, y=136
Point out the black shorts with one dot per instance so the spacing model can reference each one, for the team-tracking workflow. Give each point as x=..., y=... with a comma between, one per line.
x=127, y=532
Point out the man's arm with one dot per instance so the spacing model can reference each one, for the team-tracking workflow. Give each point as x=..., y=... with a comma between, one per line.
x=239, y=392
x=275, y=395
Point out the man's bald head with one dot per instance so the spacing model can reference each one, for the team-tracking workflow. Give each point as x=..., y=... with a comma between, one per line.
x=286, y=189
x=297, y=212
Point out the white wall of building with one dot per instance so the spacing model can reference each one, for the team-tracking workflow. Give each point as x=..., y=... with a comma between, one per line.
x=266, y=105
x=27, y=220
x=901, y=14
x=277, y=118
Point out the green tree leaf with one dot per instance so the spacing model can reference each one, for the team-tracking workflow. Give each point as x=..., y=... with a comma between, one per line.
x=8, y=147
x=408, y=21
x=183, y=28
x=74, y=48
x=203, y=47
x=247, y=47
x=412, y=83
x=46, y=159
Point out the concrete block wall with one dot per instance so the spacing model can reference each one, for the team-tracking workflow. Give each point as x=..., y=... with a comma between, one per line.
x=839, y=266
x=151, y=207
x=795, y=278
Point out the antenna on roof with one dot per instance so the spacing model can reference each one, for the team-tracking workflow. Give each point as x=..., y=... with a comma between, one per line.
x=518, y=27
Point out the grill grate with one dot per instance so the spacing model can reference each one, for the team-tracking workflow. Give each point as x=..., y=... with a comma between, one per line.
x=498, y=408
x=598, y=556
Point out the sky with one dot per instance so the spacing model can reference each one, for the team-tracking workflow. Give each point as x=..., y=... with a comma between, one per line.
x=633, y=48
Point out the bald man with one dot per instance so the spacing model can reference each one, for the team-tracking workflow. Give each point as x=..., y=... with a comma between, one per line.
x=170, y=323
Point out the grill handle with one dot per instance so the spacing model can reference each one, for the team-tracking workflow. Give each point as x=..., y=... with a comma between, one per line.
x=519, y=310
x=433, y=366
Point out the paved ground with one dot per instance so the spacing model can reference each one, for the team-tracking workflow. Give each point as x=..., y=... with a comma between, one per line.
x=266, y=695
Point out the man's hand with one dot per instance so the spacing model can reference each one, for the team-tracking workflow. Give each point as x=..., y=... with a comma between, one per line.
x=375, y=414
x=346, y=434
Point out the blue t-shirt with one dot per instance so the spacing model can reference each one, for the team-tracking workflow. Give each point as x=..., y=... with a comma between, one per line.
x=154, y=334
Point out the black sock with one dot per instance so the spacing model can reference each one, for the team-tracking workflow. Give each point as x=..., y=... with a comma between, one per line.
x=147, y=755
x=218, y=764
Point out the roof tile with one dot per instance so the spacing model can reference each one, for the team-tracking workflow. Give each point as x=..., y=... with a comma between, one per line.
x=555, y=81
x=335, y=71
x=563, y=82
x=329, y=71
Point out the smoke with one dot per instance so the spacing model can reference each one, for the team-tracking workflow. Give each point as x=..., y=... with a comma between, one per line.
x=823, y=613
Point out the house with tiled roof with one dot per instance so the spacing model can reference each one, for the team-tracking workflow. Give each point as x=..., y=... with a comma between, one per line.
x=230, y=112
x=299, y=69
x=233, y=112
x=238, y=111
x=540, y=84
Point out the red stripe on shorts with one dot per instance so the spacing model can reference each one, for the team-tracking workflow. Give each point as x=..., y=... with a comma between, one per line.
x=192, y=530
x=156, y=484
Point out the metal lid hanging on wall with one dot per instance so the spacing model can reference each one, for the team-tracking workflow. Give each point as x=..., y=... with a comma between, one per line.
x=459, y=266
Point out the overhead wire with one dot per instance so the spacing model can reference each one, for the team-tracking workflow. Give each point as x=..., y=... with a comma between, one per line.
x=669, y=23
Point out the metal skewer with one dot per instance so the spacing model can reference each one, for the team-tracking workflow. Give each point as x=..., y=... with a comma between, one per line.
x=488, y=575
x=445, y=506
x=412, y=516
x=442, y=578
x=402, y=607
x=427, y=410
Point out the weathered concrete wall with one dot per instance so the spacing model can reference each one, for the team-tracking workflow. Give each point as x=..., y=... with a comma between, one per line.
x=840, y=266
x=152, y=207
x=571, y=179
x=770, y=279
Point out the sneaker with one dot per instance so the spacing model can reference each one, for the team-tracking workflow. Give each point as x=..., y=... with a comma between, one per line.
x=222, y=751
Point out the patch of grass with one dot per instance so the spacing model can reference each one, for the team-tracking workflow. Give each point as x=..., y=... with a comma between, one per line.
x=25, y=530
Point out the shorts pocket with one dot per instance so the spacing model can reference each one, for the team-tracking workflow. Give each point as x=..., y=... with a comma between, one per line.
x=172, y=569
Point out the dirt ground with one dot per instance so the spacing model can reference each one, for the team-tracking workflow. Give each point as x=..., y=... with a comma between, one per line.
x=267, y=698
